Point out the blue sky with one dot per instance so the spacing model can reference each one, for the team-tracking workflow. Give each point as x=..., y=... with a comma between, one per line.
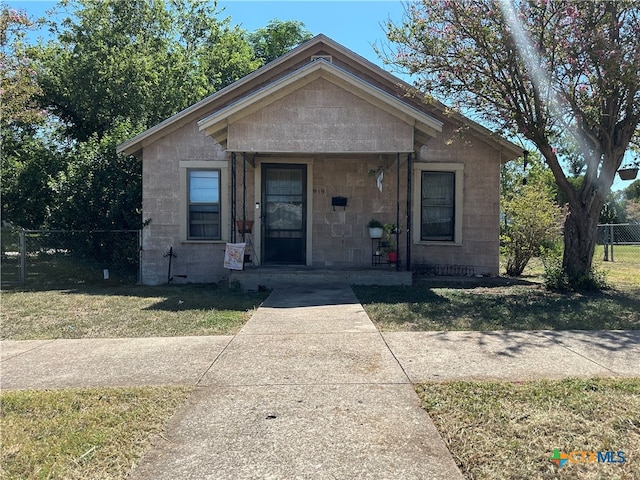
x=355, y=24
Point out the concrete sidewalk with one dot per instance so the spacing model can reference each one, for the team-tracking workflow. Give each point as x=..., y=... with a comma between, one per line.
x=309, y=387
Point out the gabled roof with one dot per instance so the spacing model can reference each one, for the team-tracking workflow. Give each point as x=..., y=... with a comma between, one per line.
x=347, y=67
x=216, y=123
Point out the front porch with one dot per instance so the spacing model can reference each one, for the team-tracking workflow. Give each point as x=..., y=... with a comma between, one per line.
x=278, y=276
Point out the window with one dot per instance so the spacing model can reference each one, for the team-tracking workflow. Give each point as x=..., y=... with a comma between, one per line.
x=204, y=204
x=438, y=206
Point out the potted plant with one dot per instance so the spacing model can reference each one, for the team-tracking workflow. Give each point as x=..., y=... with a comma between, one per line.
x=392, y=251
x=376, y=228
x=392, y=254
x=630, y=171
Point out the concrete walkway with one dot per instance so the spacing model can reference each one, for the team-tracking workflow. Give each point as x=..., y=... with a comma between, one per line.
x=309, y=388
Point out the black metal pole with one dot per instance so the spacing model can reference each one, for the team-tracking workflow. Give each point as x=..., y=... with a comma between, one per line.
x=409, y=211
x=233, y=197
x=398, y=209
x=244, y=194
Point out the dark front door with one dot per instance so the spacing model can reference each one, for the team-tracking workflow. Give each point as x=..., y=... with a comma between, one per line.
x=284, y=215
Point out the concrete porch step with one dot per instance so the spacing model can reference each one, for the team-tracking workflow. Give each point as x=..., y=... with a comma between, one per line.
x=271, y=277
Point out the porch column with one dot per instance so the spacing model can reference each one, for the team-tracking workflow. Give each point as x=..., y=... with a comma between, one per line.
x=244, y=193
x=409, y=192
x=233, y=197
x=398, y=209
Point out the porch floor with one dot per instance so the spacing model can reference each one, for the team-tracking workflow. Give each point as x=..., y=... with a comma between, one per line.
x=254, y=278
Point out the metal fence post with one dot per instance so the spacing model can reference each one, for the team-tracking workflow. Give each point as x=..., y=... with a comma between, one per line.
x=23, y=256
x=611, y=239
x=140, y=257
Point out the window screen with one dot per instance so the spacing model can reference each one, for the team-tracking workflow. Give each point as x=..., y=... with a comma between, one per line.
x=438, y=206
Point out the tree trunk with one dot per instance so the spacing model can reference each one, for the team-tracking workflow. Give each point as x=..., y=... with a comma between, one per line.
x=580, y=234
x=585, y=205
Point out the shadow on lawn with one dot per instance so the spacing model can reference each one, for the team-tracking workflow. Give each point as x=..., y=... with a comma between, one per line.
x=172, y=298
x=482, y=306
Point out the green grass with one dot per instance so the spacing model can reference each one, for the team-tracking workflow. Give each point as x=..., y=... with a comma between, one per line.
x=131, y=311
x=503, y=304
x=622, y=274
x=434, y=306
x=509, y=430
x=625, y=271
x=81, y=433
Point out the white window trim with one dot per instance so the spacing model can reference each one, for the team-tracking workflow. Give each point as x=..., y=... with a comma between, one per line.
x=416, y=220
x=184, y=167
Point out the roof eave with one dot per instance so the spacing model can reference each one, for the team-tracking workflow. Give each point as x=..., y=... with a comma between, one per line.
x=135, y=144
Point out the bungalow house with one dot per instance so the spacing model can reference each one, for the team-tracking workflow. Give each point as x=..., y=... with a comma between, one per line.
x=309, y=149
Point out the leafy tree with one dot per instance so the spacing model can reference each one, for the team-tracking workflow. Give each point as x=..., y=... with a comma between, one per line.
x=139, y=60
x=614, y=208
x=114, y=69
x=573, y=158
x=99, y=190
x=18, y=82
x=633, y=190
x=515, y=173
x=551, y=70
x=633, y=211
x=277, y=38
x=28, y=164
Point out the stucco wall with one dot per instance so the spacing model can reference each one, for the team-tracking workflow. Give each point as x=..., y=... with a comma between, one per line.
x=320, y=117
x=480, y=219
x=339, y=238
x=161, y=207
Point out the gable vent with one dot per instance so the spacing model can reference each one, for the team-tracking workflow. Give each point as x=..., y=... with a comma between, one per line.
x=328, y=58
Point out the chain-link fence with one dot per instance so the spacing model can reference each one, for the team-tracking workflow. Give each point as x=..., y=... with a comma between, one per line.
x=619, y=243
x=62, y=258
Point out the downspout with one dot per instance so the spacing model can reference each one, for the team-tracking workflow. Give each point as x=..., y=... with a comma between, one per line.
x=244, y=193
x=398, y=209
x=233, y=197
x=409, y=211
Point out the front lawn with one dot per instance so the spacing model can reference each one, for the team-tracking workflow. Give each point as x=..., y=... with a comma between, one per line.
x=81, y=433
x=504, y=430
x=437, y=305
x=125, y=311
x=441, y=303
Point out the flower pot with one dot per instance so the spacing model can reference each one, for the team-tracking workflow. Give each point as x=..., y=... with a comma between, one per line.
x=393, y=257
x=376, y=232
x=244, y=227
x=628, y=173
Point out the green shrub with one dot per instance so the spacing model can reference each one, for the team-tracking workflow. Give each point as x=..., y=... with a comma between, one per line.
x=532, y=221
x=556, y=279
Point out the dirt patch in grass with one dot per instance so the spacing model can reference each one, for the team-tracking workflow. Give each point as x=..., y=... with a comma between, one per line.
x=510, y=430
x=476, y=305
x=81, y=433
x=133, y=311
